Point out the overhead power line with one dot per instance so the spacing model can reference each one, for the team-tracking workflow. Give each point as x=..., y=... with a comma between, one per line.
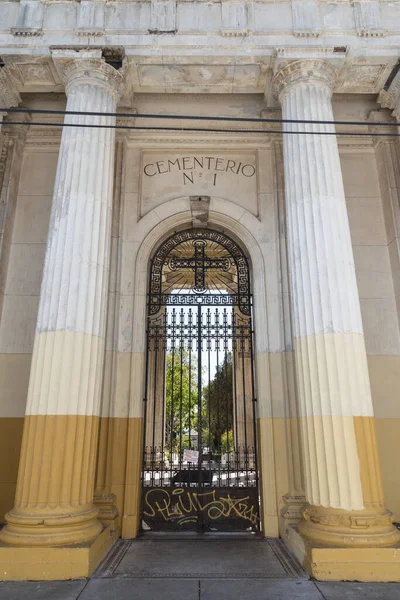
x=194, y=117
x=205, y=129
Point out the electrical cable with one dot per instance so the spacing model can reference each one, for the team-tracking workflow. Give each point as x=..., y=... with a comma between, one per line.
x=205, y=129
x=193, y=117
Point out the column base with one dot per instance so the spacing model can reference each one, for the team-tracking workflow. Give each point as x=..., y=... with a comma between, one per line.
x=30, y=529
x=329, y=563
x=293, y=510
x=106, y=506
x=46, y=564
x=368, y=528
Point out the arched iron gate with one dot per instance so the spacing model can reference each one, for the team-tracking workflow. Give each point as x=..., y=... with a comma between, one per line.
x=200, y=451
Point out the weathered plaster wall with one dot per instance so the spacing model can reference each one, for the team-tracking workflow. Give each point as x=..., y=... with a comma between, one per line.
x=378, y=303
x=384, y=361
x=21, y=278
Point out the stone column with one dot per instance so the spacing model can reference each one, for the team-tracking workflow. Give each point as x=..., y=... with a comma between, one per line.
x=104, y=499
x=11, y=155
x=54, y=497
x=343, y=482
x=294, y=499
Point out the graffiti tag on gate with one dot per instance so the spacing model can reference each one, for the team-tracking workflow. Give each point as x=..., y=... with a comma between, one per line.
x=181, y=505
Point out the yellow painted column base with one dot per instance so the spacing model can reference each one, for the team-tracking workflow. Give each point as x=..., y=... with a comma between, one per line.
x=68, y=562
x=367, y=528
x=39, y=528
x=329, y=563
x=106, y=505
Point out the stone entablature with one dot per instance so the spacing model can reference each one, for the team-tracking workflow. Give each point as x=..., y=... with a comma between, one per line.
x=358, y=72
x=190, y=46
x=301, y=18
x=296, y=19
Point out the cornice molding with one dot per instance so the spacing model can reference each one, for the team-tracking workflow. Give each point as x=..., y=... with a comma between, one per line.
x=26, y=31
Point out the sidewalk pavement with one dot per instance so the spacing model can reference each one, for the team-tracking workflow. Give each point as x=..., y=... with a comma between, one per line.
x=204, y=589
x=205, y=568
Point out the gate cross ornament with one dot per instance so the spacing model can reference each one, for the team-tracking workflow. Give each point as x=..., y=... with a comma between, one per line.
x=199, y=263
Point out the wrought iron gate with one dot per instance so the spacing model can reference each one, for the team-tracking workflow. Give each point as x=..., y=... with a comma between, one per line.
x=200, y=452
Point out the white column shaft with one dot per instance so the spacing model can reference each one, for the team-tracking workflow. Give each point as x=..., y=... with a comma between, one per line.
x=328, y=335
x=65, y=377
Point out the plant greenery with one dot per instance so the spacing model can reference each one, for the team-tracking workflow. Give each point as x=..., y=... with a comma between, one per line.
x=183, y=419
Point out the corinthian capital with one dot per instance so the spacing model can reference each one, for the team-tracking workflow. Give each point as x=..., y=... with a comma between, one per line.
x=9, y=84
x=87, y=67
x=304, y=71
x=94, y=72
x=390, y=98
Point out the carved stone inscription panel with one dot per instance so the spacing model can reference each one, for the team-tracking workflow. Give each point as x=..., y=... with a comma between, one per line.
x=168, y=175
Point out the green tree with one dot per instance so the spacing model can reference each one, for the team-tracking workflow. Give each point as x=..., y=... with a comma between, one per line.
x=217, y=413
x=181, y=398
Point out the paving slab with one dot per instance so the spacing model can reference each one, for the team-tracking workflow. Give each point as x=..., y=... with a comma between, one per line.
x=200, y=559
x=140, y=589
x=349, y=590
x=41, y=590
x=264, y=589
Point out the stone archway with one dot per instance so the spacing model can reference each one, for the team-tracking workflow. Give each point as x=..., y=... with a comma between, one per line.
x=247, y=229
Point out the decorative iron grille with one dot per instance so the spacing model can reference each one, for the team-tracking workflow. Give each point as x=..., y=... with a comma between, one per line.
x=206, y=255
x=200, y=451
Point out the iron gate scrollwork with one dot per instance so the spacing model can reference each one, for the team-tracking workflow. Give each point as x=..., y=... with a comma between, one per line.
x=239, y=294
x=200, y=451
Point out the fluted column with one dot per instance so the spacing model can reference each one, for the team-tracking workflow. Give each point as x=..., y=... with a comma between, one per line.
x=343, y=482
x=294, y=499
x=54, y=497
x=104, y=499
